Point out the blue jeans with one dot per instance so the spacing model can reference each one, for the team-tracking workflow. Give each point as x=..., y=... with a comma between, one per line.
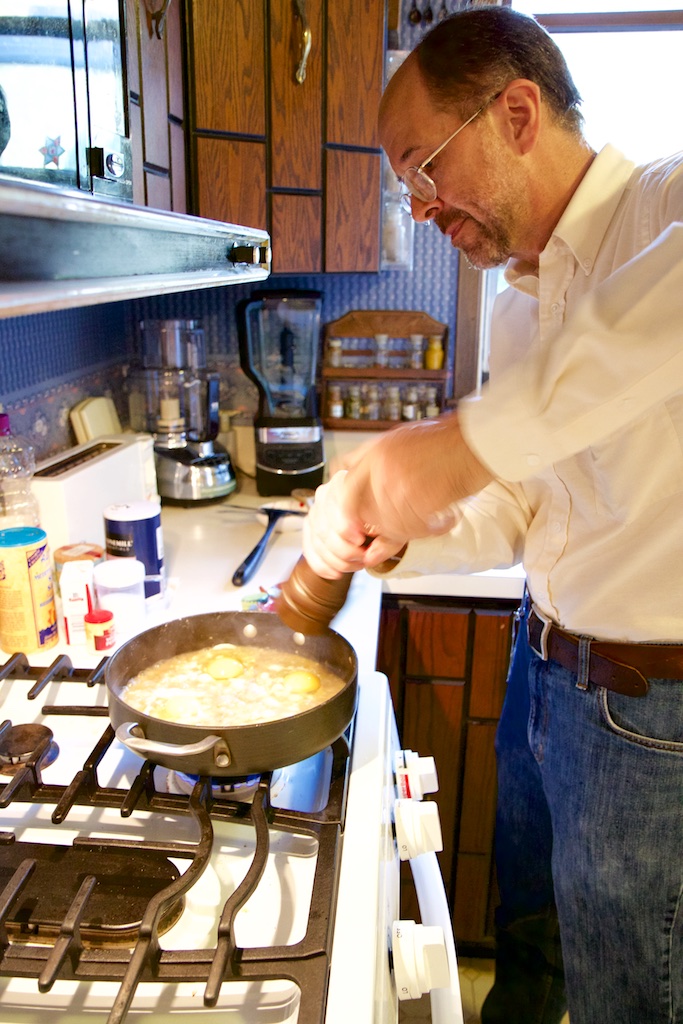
x=594, y=780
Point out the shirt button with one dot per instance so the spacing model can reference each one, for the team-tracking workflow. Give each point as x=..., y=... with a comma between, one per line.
x=555, y=308
x=533, y=460
x=557, y=527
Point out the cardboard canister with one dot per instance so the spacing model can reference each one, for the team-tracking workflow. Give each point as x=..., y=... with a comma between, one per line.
x=28, y=614
x=134, y=531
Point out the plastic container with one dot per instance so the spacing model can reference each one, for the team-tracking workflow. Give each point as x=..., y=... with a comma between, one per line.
x=120, y=589
x=76, y=584
x=28, y=614
x=99, y=629
x=134, y=531
x=18, y=504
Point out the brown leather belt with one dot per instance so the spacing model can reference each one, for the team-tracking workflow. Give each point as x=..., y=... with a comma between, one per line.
x=624, y=668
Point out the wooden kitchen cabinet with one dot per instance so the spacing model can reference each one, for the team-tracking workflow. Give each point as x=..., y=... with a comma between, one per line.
x=446, y=660
x=299, y=159
x=156, y=105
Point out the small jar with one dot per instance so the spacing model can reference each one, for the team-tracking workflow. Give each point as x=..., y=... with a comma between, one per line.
x=431, y=404
x=372, y=403
x=335, y=402
x=433, y=359
x=99, y=629
x=416, y=356
x=392, y=408
x=353, y=406
x=410, y=408
x=334, y=352
x=381, y=350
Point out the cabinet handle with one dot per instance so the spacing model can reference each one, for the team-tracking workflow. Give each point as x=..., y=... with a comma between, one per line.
x=306, y=40
x=158, y=18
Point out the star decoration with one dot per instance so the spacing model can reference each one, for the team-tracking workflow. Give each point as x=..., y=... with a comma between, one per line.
x=52, y=151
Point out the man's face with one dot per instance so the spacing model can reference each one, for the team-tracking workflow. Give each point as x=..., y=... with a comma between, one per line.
x=479, y=198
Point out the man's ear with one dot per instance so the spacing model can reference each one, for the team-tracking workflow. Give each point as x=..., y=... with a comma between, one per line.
x=519, y=107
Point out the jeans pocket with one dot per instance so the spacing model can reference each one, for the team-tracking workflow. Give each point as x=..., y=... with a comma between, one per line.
x=654, y=721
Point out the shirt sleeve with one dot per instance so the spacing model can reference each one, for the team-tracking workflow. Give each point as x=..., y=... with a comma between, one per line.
x=489, y=535
x=617, y=355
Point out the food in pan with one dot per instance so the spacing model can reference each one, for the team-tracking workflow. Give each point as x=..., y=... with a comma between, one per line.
x=228, y=685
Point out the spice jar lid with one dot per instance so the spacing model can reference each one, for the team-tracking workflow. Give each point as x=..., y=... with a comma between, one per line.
x=98, y=616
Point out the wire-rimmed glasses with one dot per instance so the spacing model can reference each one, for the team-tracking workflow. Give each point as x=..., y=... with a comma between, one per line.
x=417, y=182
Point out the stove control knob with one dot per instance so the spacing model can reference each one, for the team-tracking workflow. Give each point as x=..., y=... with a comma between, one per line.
x=418, y=828
x=420, y=959
x=415, y=775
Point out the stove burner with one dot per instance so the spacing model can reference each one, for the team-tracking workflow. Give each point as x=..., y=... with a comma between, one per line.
x=241, y=789
x=21, y=743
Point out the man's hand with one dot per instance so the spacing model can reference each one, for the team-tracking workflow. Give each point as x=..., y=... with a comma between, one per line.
x=399, y=487
x=403, y=485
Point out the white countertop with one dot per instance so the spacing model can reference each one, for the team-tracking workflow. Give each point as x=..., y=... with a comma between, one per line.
x=203, y=546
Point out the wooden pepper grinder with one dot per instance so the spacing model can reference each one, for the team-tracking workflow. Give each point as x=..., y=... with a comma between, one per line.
x=307, y=602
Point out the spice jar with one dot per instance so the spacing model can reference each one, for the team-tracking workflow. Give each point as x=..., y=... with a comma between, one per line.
x=416, y=342
x=381, y=349
x=99, y=629
x=353, y=402
x=335, y=403
x=433, y=359
x=431, y=405
x=392, y=408
x=334, y=352
x=410, y=408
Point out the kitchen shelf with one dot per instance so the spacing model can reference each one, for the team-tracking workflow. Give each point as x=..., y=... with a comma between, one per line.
x=431, y=386
x=381, y=373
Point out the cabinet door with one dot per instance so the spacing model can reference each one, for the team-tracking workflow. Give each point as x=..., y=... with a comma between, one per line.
x=228, y=66
x=295, y=107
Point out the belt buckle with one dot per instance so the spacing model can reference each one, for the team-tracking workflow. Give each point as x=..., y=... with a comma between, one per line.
x=543, y=639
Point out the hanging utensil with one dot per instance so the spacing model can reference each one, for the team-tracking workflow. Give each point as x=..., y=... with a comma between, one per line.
x=428, y=14
x=443, y=13
x=246, y=570
x=414, y=15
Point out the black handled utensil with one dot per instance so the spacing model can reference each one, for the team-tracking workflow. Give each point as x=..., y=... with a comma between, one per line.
x=246, y=570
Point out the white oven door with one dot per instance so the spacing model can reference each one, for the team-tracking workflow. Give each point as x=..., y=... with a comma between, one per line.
x=376, y=958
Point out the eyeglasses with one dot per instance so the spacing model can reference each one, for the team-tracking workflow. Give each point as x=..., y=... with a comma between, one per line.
x=417, y=181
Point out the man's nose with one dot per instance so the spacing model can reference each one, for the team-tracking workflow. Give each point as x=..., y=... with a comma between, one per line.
x=422, y=211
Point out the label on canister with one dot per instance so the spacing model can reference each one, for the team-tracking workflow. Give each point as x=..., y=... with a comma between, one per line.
x=134, y=531
x=28, y=615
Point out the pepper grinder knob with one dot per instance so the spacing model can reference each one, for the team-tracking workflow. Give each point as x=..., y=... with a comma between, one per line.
x=307, y=602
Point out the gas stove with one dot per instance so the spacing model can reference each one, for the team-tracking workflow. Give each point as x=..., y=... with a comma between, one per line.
x=132, y=892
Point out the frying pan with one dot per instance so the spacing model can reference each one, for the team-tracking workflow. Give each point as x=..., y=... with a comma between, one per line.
x=226, y=750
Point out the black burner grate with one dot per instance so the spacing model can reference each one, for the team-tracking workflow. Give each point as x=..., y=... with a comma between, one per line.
x=69, y=954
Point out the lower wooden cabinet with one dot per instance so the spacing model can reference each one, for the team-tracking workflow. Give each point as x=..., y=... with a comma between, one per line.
x=447, y=660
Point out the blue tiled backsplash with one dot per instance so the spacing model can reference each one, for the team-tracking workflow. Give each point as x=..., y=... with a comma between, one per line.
x=50, y=361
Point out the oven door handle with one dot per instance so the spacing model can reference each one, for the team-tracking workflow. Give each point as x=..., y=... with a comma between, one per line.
x=138, y=742
x=446, y=1003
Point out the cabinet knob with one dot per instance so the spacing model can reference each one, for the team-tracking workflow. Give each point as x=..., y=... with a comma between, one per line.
x=251, y=254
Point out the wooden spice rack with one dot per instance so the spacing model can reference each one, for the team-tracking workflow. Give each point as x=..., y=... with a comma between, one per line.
x=397, y=324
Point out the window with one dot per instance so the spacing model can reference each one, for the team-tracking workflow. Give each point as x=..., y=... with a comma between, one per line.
x=625, y=58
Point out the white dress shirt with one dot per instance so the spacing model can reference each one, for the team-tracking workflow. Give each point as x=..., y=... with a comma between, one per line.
x=583, y=415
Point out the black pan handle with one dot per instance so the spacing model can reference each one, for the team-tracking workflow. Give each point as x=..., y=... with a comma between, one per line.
x=251, y=563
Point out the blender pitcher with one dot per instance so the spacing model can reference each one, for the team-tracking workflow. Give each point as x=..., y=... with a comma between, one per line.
x=279, y=337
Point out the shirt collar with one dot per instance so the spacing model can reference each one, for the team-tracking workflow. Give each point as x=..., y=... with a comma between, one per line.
x=585, y=220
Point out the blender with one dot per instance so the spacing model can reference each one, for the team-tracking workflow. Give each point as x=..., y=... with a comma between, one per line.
x=279, y=334
x=173, y=396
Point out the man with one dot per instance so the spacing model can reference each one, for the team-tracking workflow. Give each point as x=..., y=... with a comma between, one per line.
x=571, y=460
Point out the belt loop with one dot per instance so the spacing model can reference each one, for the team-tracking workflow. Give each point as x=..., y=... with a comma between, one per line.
x=583, y=663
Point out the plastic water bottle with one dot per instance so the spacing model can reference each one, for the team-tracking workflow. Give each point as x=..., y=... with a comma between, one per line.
x=18, y=504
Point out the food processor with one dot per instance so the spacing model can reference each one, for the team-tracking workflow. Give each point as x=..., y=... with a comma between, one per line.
x=173, y=396
x=279, y=336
